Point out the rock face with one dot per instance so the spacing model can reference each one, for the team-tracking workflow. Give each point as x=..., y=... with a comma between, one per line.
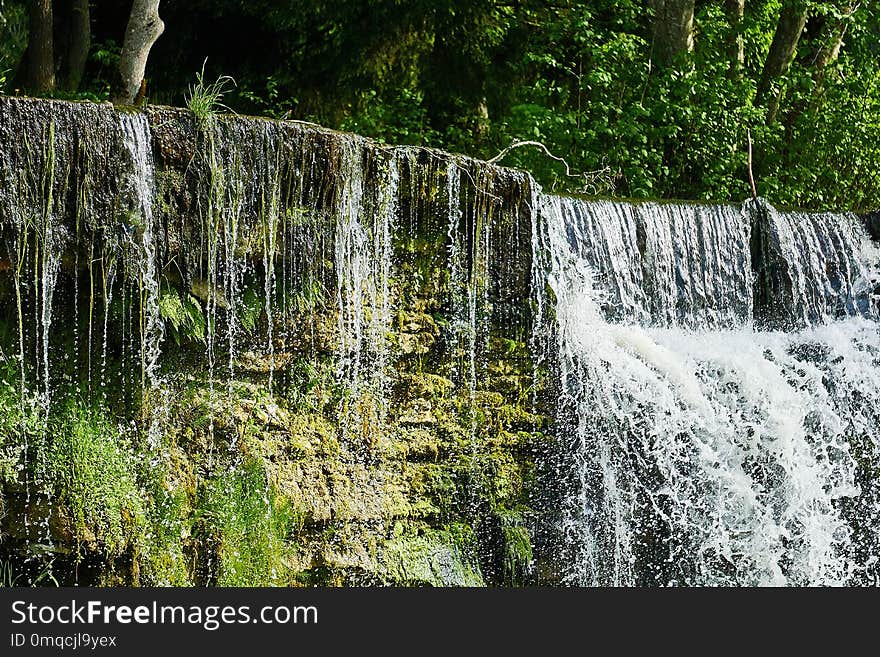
x=254, y=352
x=243, y=352
x=872, y=223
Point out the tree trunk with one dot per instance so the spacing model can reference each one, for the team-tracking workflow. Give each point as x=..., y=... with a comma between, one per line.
x=144, y=27
x=735, y=9
x=80, y=43
x=826, y=50
x=791, y=24
x=40, y=71
x=832, y=43
x=673, y=29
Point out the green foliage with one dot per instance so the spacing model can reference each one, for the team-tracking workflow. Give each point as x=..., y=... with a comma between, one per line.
x=249, y=525
x=265, y=98
x=183, y=315
x=24, y=427
x=107, y=54
x=311, y=296
x=92, y=464
x=400, y=117
x=8, y=576
x=204, y=99
x=102, y=63
x=13, y=38
x=308, y=379
x=12, y=425
x=580, y=77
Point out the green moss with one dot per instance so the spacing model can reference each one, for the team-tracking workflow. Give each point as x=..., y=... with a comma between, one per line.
x=425, y=385
x=517, y=549
x=164, y=560
x=437, y=488
x=309, y=384
x=247, y=525
x=446, y=557
x=94, y=473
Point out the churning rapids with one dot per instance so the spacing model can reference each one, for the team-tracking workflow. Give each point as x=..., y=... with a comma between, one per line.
x=712, y=371
x=709, y=446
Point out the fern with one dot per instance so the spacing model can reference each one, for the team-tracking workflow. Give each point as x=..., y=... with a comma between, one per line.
x=249, y=311
x=184, y=315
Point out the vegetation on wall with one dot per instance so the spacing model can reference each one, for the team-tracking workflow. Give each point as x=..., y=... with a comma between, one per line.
x=247, y=452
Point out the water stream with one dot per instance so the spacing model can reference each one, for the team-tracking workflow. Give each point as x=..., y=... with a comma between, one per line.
x=671, y=393
x=704, y=451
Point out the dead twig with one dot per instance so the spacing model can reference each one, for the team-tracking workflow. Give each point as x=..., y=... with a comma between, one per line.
x=751, y=174
x=536, y=144
x=593, y=181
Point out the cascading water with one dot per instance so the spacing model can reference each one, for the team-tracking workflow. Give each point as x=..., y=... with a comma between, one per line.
x=138, y=143
x=813, y=267
x=61, y=206
x=387, y=209
x=700, y=450
x=363, y=265
x=325, y=342
x=352, y=262
x=463, y=236
x=662, y=264
x=271, y=219
x=696, y=264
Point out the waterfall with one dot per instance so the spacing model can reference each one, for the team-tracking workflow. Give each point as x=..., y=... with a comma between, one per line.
x=271, y=210
x=138, y=143
x=365, y=215
x=233, y=268
x=464, y=236
x=813, y=267
x=458, y=279
x=696, y=264
x=352, y=265
x=698, y=449
x=381, y=317
x=64, y=209
x=667, y=264
x=248, y=351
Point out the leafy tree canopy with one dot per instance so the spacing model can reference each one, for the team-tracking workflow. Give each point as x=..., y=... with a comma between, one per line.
x=583, y=78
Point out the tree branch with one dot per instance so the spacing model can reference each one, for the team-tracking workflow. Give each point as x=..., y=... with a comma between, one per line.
x=536, y=144
x=594, y=181
x=751, y=174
